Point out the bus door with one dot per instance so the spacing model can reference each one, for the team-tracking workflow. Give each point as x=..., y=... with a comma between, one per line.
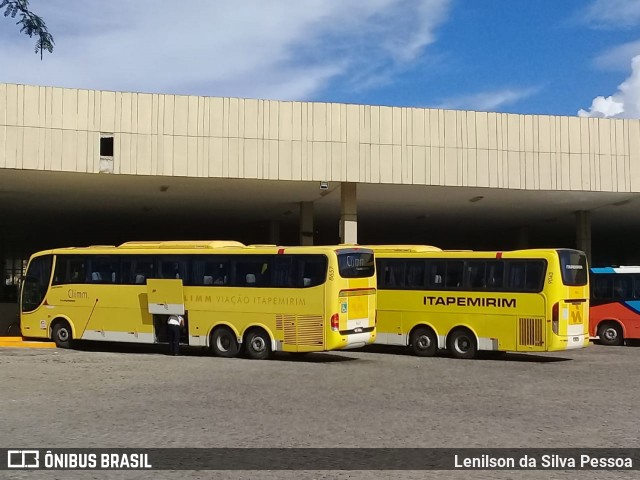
x=166, y=297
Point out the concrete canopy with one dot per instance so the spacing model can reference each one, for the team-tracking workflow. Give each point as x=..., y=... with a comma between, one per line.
x=74, y=208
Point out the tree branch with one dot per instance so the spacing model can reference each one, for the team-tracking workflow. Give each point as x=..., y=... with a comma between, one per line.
x=31, y=24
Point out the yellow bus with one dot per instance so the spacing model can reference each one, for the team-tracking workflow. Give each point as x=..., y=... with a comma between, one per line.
x=256, y=299
x=465, y=301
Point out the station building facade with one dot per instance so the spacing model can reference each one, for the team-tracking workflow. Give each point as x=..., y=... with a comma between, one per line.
x=81, y=167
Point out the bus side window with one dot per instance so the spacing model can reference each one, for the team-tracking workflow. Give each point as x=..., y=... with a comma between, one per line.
x=210, y=270
x=69, y=269
x=394, y=274
x=144, y=268
x=603, y=287
x=314, y=270
x=381, y=272
x=103, y=268
x=59, y=272
x=622, y=287
x=76, y=270
x=436, y=274
x=534, y=276
x=284, y=271
x=636, y=287
x=453, y=278
x=173, y=268
x=516, y=276
x=415, y=274
x=476, y=275
x=252, y=271
x=495, y=275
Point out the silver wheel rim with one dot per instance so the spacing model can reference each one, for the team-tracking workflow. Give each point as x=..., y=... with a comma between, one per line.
x=258, y=344
x=462, y=344
x=63, y=334
x=424, y=342
x=223, y=343
x=610, y=333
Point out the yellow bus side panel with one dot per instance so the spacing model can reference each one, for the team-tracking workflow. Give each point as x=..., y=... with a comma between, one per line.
x=295, y=319
x=101, y=308
x=399, y=311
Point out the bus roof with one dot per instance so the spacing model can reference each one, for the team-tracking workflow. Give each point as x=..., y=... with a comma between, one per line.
x=435, y=252
x=403, y=248
x=182, y=244
x=201, y=246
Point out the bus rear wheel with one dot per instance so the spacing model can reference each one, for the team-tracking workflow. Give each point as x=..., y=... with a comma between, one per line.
x=610, y=334
x=224, y=343
x=462, y=344
x=424, y=342
x=61, y=334
x=258, y=345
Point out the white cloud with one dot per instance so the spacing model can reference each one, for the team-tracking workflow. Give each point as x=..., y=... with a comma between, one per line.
x=252, y=48
x=625, y=103
x=613, y=13
x=618, y=58
x=488, y=101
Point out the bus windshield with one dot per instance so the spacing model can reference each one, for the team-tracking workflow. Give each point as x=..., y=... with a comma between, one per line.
x=356, y=263
x=573, y=265
x=36, y=282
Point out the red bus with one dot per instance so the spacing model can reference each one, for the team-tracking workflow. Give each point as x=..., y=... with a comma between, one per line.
x=614, y=315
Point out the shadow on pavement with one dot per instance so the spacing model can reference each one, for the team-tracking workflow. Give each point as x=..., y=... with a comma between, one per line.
x=185, y=351
x=313, y=357
x=483, y=355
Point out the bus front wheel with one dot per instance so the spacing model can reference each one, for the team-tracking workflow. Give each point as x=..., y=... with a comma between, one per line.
x=424, y=342
x=610, y=333
x=258, y=345
x=61, y=334
x=462, y=344
x=224, y=342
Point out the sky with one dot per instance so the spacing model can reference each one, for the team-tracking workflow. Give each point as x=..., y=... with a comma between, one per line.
x=556, y=57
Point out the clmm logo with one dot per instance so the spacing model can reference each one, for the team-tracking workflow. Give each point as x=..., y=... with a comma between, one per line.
x=576, y=317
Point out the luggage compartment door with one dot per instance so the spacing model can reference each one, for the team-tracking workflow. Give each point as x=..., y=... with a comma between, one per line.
x=165, y=296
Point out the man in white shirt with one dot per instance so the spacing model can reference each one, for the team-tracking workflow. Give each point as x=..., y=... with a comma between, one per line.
x=174, y=325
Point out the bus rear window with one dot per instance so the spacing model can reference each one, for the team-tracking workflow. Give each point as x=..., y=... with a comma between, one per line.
x=573, y=265
x=356, y=263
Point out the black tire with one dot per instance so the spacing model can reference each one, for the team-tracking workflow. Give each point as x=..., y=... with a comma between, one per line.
x=61, y=334
x=423, y=342
x=462, y=344
x=258, y=345
x=224, y=343
x=610, y=333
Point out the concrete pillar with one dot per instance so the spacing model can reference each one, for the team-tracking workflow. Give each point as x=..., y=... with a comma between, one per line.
x=348, y=213
x=274, y=232
x=306, y=223
x=583, y=232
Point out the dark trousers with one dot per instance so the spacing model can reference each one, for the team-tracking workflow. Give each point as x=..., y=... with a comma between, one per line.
x=174, y=339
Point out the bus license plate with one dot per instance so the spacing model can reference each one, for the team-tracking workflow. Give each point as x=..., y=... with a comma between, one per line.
x=357, y=330
x=576, y=339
